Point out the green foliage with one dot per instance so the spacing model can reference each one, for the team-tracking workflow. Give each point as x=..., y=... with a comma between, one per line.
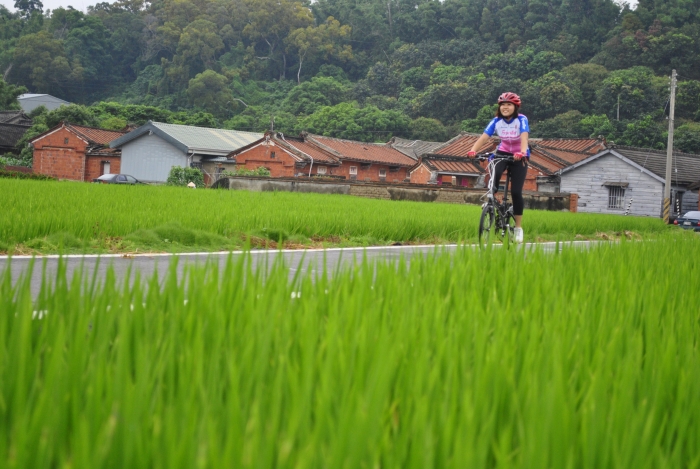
x=687, y=137
x=647, y=133
x=7, y=174
x=430, y=130
x=483, y=117
x=309, y=96
x=209, y=91
x=260, y=171
x=180, y=176
x=347, y=120
x=8, y=95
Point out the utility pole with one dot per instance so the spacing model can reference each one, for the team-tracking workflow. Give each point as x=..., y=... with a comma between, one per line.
x=669, y=150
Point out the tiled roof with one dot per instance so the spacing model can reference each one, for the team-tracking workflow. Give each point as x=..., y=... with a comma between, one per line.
x=685, y=169
x=310, y=149
x=462, y=144
x=200, y=140
x=452, y=165
x=362, y=152
x=585, y=145
x=414, y=148
x=15, y=117
x=10, y=134
x=544, y=164
x=95, y=135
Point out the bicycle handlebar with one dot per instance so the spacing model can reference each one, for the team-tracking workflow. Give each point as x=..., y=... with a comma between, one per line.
x=496, y=156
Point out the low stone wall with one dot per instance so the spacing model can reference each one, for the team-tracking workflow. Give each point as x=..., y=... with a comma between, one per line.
x=412, y=192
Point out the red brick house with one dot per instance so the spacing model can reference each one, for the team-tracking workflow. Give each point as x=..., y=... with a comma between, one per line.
x=76, y=152
x=370, y=162
x=316, y=155
x=285, y=157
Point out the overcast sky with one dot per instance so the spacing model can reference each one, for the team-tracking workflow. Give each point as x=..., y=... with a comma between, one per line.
x=83, y=4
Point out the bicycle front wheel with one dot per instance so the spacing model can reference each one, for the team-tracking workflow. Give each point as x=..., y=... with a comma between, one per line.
x=486, y=225
x=510, y=229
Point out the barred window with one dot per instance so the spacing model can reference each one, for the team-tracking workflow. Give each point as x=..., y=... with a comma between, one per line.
x=353, y=170
x=320, y=170
x=616, y=196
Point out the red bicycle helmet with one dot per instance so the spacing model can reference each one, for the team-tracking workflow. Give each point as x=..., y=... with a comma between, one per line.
x=509, y=97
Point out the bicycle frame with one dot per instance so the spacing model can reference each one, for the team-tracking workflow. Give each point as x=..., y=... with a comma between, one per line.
x=498, y=215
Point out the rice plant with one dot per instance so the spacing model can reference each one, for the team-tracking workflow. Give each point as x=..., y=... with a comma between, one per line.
x=583, y=359
x=66, y=216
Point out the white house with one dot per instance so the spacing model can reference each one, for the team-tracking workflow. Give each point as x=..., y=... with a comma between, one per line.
x=631, y=180
x=150, y=151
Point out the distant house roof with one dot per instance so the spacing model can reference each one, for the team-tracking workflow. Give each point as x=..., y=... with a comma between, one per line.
x=414, y=148
x=462, y=144
x=359, y=151
x=685, y=171
x=15, y=117
x=10, y=134
x=451, y=165
x=297, y=147
x=29, y=101
x=198, y=140
x=92, y=135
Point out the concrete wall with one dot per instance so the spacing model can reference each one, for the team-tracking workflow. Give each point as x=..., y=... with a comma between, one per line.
x=412, y=192
x=149, y=158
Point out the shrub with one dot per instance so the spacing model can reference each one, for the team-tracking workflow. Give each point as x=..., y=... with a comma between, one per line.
x=180, y=176
x=260, y=171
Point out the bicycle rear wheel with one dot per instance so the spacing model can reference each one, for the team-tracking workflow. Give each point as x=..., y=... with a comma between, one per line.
x=486, y=225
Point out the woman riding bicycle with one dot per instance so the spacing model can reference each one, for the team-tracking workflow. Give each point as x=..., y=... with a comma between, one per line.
x=513, y=129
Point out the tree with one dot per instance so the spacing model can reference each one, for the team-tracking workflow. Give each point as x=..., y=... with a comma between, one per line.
x=347, y=120
x=307, y=97
x=270, y=22
x=428, y=129
x=41, y=61
x=325, y=40
x=27, y=7
x=645, y=133
x=687, y=137
x=8, y=95
x=209, y=91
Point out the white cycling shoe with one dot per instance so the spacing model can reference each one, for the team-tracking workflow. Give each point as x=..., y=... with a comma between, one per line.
x=518, y=232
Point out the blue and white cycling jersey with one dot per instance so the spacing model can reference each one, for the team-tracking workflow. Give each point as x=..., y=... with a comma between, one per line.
x=509, y=132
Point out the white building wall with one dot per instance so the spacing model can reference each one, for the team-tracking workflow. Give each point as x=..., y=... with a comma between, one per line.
x=149, y=158
x=587, y=181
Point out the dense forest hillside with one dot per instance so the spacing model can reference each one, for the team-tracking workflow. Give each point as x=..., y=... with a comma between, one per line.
x=364, y=69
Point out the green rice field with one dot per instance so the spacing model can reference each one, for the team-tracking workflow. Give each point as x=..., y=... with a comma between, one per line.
x=41, y=217
x=479, y=359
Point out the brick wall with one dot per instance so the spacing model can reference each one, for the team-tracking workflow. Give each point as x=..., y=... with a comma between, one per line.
x=420, y=175
x=60, y=154
x=280, y=165
x=573, y=205
x=370, y=173
x=95, y=164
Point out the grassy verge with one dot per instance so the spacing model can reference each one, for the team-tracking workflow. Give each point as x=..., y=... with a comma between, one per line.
x=46, y=217
x=479, y=360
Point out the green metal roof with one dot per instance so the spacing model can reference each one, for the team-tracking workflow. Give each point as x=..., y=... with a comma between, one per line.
x=200, y=140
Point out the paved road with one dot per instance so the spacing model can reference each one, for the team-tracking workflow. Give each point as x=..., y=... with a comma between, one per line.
x=150, y=264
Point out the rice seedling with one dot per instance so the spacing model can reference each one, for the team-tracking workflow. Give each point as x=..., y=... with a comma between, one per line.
x=478, y=359
x=100, y=218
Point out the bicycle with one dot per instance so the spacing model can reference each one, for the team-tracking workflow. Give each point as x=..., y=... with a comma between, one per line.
x=496, y=215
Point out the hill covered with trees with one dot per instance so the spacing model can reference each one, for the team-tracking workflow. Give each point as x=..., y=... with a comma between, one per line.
x=366, y=69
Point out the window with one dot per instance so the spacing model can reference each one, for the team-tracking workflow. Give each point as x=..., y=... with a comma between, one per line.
x=196, y=164
x=272, y=154
x=382, y=173
x=616, y=196
x=65, y=140
x=320, y=170
x=353, y=170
